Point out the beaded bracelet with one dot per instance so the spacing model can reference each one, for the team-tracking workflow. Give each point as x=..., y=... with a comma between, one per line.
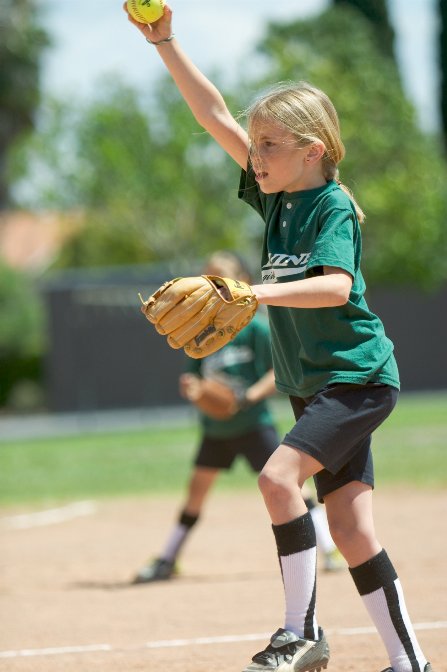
x=167, y=39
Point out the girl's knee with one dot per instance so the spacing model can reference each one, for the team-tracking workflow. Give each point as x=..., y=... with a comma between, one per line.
x=271, y=482
x=264, y=481
x=346, y=534
x=339, y=534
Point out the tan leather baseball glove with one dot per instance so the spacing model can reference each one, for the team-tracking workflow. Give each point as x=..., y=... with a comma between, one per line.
x=211, y=396
x=200, y=314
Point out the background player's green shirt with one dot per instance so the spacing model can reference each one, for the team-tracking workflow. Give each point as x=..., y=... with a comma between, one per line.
x=241, y=363
x=315, y=347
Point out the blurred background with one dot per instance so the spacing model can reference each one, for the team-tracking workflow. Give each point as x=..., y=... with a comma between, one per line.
x=108, y=187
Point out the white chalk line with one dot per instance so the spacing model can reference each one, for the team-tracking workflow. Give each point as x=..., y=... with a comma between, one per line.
x=196, y=641
x=59, y=651
x=26, y=521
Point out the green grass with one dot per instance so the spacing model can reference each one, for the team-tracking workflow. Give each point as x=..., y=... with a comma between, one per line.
x=411, y=446
x=409, y=449
x=95, y=465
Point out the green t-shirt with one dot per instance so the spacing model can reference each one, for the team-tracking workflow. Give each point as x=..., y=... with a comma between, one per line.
x=241, y=363
x=315, y=347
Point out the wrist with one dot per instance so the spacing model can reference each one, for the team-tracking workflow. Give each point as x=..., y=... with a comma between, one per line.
x=164, y=41
x=244, y=399
x=259, y=293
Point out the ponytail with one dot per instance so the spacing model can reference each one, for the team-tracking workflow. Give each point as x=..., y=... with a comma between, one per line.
x=331, y=172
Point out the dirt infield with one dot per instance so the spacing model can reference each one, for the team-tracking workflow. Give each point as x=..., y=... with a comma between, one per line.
x=66, y=603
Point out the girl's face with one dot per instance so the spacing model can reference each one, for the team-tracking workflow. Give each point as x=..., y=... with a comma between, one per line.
x=280, y=164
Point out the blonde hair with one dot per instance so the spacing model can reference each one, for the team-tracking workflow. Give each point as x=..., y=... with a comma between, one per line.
x=308, y=114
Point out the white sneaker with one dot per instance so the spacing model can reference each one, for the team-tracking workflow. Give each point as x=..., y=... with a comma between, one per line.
x=289, y=653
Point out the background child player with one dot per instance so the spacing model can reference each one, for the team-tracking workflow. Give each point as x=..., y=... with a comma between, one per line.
x=330, y=353
x=244, y=364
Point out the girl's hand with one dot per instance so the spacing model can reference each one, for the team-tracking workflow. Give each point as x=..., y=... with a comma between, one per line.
x=159, y=30
x=189, y=386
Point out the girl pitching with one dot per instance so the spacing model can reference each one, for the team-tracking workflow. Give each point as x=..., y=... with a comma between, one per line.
x=330, y=353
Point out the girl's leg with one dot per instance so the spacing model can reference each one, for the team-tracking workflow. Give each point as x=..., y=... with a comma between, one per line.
x=299, y=646
x=350, y=517
x=163, y=567
x=332, y=558
x=200, y=483
x=280, y=483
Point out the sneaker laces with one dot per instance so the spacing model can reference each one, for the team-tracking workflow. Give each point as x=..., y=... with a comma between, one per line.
x=284, y=653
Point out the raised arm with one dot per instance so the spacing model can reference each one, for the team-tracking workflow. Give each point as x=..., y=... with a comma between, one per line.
x=203, y=98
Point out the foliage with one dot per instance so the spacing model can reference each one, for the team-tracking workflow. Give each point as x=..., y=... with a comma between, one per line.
x=396, y=171
x=377, y=13
x=21, y=330
x=21, y=321
x=442, y=10
x=150, y=184
x=22, y=42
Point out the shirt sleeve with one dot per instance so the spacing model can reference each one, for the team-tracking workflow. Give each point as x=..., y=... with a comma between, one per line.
x=335, y=243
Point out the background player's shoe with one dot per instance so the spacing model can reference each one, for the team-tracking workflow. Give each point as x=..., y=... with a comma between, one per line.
x=289, y=653
x=333, y=561
x=157, y=570
x=427, y=668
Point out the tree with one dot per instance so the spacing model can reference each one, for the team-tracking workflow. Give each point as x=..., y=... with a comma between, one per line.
x=21, y=330
x=442, y=9
x=377, y=13
x=22, y=42
x=395, y=170
x=148, y=185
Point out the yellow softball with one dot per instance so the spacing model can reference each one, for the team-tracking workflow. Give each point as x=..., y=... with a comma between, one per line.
x=145, y=11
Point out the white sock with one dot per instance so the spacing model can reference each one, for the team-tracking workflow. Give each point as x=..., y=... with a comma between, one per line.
x=377, y=604
x=381, y=591
x=178, y=535
x=297, y=552
x=174, y=542
x=298, y=572
x=324, y=539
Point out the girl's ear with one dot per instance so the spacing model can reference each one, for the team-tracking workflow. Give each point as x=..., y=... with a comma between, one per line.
x=315, y=152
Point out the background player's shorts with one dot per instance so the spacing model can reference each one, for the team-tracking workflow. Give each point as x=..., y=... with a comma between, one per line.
x=335, y=425
x=256, y=446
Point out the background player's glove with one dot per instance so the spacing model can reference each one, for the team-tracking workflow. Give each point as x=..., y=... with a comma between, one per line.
x=200, y=314
x=211, y=396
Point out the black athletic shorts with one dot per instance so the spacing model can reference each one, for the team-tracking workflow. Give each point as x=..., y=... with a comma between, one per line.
x=256, y=446
x=335, y=425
